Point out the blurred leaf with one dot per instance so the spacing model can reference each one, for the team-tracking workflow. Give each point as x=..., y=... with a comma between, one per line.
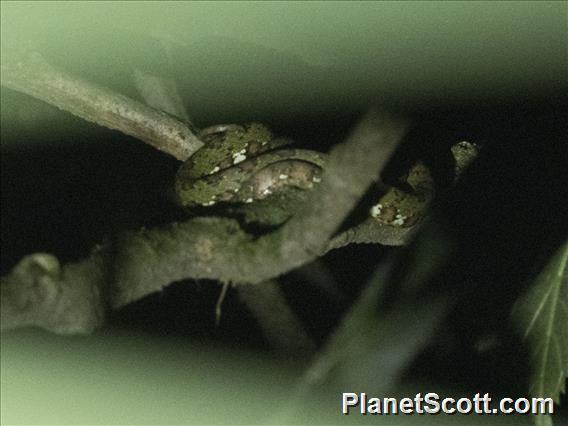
x=541, y=314
x=244, y=60
x=386, y=330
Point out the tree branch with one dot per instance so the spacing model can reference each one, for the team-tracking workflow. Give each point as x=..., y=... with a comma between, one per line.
x=372, y=232
x=29, y=73
x=39, y=292
x=218, y=249
x=145, y=261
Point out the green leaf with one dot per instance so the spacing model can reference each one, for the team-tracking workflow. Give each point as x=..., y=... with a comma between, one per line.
x=541, y=315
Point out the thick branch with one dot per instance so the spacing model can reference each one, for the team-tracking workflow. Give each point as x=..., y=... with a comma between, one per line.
x=72, y=298
x=32, y=75
x=217, y=248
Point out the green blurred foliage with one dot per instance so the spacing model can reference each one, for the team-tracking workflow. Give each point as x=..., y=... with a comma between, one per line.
x=295, y=60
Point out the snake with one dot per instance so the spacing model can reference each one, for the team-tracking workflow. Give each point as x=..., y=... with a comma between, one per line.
x=247, y=164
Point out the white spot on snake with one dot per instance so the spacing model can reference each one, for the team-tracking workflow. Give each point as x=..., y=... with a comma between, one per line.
x=283, y=177
x=209, y=203
x=399, y=221
x=215, y=170
x=248, y=200
x=239, y=158
x=376, y=210
x=316, y=179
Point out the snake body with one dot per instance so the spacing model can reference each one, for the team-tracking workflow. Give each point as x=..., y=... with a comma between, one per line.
x=245, y=163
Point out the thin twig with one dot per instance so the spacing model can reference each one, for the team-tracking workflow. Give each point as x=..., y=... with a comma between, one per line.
x=219, y=304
